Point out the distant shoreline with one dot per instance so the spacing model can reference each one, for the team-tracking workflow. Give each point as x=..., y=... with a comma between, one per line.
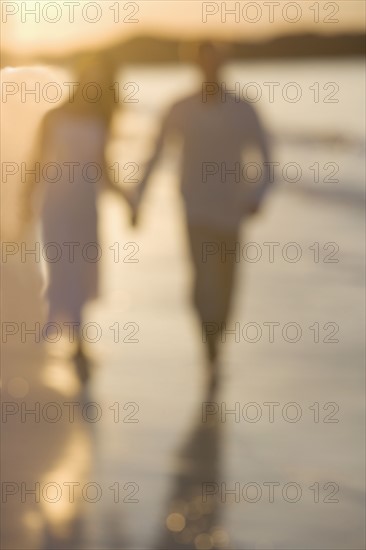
x=149, y=49
x=152, y=50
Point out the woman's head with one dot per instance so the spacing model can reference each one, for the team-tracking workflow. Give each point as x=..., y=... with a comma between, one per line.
x=94, y=93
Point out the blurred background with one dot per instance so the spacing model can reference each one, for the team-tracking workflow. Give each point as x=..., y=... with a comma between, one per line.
x=129, y=467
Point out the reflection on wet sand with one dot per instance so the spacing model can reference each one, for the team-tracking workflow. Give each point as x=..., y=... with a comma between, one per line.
x=43, y=501
x=192, y=518
x=46, y=454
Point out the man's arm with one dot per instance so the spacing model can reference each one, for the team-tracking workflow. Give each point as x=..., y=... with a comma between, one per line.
x=165, y=129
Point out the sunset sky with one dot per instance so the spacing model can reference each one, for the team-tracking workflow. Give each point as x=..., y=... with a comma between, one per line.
x=66, y=26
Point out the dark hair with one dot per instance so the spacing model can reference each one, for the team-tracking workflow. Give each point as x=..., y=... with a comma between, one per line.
x=207, y=47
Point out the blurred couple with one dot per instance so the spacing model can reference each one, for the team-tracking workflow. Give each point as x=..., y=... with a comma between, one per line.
x=214, y=129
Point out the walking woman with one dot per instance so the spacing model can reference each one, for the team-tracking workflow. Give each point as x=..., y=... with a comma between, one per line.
x=71, y=155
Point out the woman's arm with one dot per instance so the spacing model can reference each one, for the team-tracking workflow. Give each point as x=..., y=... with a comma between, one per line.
x=32, y=181
x=260, y=140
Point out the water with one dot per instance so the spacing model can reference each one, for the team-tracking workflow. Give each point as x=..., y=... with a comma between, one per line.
x=325, y=124
x=338, y=108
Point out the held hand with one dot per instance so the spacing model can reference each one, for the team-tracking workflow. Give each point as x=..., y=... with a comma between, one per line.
x=254, y=209
x=133, y=199
x=254, y=204
x=134, y=218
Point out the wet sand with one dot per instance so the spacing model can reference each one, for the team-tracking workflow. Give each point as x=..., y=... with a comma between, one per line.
x=162, y=460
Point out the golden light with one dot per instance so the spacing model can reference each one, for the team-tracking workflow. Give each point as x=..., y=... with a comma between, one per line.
x=62, y=27
x=175, y=522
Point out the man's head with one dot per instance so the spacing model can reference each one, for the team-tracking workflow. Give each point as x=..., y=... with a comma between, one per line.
x=210, y=58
